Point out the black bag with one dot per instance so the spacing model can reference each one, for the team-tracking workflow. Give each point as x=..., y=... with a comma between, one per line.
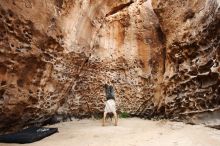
x=28, y=135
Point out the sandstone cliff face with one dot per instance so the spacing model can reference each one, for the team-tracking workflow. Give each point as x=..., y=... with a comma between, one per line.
x=56, y=56
x=191, y=79
x=121, y=42
x=30, y=56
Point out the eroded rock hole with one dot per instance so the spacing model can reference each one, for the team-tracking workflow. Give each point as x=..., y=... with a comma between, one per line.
x=188, y=15
x=2, y=91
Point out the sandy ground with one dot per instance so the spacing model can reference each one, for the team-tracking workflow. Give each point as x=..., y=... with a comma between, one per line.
x=130, y=132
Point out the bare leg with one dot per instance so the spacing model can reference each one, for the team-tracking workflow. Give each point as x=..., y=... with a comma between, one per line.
x=116, y=118
x=103, y=121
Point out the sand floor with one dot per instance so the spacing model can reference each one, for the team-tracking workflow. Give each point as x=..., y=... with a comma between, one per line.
x=130, y=132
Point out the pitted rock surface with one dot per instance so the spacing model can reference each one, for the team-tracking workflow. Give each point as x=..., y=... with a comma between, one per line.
x=56, y=57
x=191, y=79
x=162, y=59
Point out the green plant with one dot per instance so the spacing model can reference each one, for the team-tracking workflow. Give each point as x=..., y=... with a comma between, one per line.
x=124, y=115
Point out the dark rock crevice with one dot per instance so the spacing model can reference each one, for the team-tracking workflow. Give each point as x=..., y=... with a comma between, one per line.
x=119, y=8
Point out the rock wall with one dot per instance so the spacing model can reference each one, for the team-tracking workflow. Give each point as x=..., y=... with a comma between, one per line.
x=191, y=79
x=31, y=83
x=56, y=56
x=122, y=42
